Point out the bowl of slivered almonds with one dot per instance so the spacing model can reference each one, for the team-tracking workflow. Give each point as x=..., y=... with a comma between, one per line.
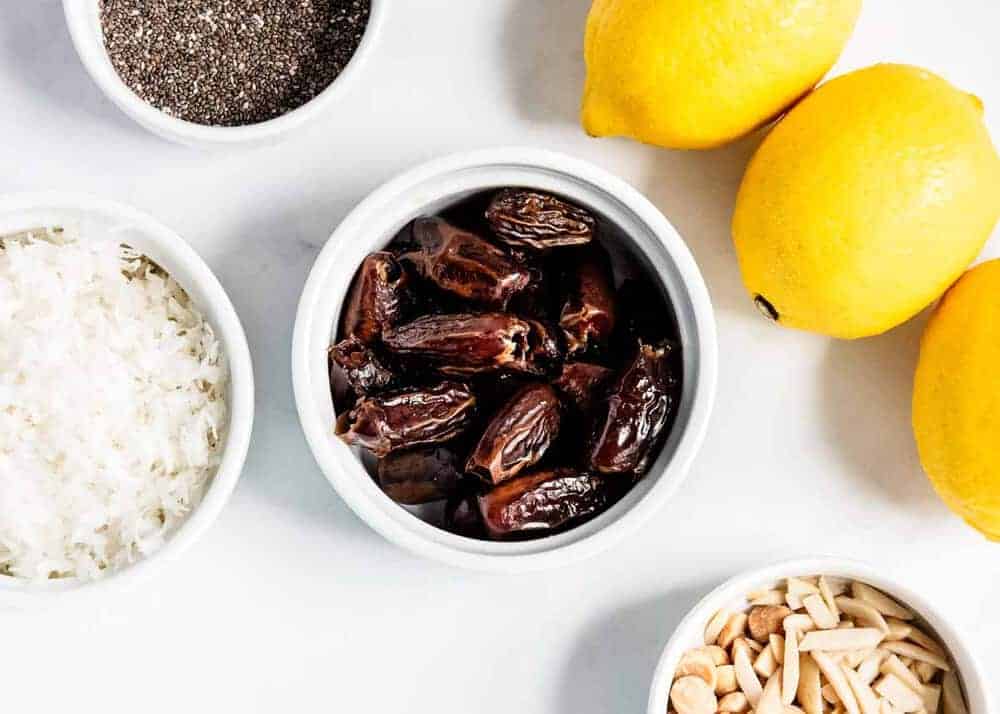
x=817, y=636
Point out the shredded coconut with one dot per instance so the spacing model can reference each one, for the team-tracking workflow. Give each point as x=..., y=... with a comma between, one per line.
x=112, y=407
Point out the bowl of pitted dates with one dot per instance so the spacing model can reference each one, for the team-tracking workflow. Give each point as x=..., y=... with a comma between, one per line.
x=505, y=360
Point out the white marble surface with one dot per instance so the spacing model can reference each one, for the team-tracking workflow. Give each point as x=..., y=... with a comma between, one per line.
x=291, y=603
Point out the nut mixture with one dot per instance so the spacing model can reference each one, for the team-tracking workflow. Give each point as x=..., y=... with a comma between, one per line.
x=817, y=645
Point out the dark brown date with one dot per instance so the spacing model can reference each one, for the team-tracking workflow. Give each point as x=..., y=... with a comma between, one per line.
x=462, y=516
x=544, y=501
x=464, y=264
x=408, y=418
x=361, y=367
x=518, y=435
x=420, y=475
x=638, y=407
x=468, y=344
x=377, y=299
x=582, y=383
x=588, y=313
x=530, y=219
x=545, y=348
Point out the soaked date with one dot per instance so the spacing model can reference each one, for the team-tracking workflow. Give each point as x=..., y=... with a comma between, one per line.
x=420, y=475
x=361, y=367
x=639, y=405
x=582, y=384
x=530, y=219
x=377, y=299
x=541, y=502
x=518, y=435
x=463, y=264
x=588, y=314
x=408, y=418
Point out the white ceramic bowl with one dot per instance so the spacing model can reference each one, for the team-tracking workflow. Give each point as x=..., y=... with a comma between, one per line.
x=83, y=18
x=732, y=595
x=95, y=218
x=426, y=190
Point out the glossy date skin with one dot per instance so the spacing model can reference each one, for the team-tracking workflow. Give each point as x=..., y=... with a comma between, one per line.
x=418, y=476
x=588, y=313
x=542, y=502
x=463, y=264
x=468, y=344
x=639, y=406
x=408, y=418
x=377, y=299
x=539, y=221
x=582, y=383
x=361, y=367
x=518, y=435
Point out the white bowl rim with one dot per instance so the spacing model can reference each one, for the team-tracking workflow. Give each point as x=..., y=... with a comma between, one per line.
x=18, y=593
x=954, y=640
x=484, y=555
x=92, y=52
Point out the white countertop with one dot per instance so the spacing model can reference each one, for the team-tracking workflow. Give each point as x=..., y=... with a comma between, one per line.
x=290, y=603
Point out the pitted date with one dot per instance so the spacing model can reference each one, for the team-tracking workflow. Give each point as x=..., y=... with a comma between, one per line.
x=464, y=264
x=421, y=475
x=377, y=299
x=638, y=407
x=530, y=219
x=518, y=435
x=468, y=343
x=408, y=418
x=361, y=367
x=544, y=501
x=588, y=314
x=582, y=383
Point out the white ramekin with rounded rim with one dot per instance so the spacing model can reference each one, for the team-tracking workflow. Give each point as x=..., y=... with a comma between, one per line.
x=732, y=595
x=101, y=219
x=83, y=19
x=428, y=189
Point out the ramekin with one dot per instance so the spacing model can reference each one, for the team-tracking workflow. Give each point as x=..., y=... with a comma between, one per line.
x=83, y=19
x=96, y=218
x=428, y=189
x=732, y=595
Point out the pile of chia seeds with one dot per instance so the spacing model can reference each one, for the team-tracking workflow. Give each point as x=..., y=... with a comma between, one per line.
x=231, y=62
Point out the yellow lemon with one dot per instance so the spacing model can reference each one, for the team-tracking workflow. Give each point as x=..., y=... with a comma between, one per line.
x=866, y=202
x=698, y=73
x=956, y=399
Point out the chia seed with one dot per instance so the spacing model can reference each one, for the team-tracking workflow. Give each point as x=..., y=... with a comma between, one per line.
x=231, y=62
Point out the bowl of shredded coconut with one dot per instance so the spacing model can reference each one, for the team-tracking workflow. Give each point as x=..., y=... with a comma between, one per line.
x=126, y=396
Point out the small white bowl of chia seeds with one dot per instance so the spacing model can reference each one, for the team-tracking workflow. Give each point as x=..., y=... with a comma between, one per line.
x=217, y=73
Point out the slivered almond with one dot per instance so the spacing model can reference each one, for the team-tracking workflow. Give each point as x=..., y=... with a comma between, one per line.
x=765, y=664
x=716, y=654
x=828, y=597
x=951, y=695
x=893, y=665
x=793, y=601
x=862, y=692
x=799, y=622
x=921, y=638
x=765, y=620
x=777, y=644
x=715, y=625
x=691, y=695
x=931, y=694
x=924, y=670
x=768, y=597
x=725, y=680
x=790, y=670
x=869, y=669
x=819, y=612
x=735, y=626
x=880, y=601
x=745, y=675
x=898, y=630
x=863, y=611
x=835, y=676
x=854, y=658
x=800, y=587
x=770, y=699
x=810, y=688
x=856, y=638
x=734, y=703
x=697, y=663
x=792, y=709
x=829, y=694
x=845, y=624
x=902, y=697
x=908, y=649
x=885, y=707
